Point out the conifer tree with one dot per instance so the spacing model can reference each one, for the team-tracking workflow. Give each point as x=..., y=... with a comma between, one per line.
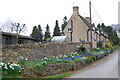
x=40, y=33
x=64, y=24
x=37, y=33
x=47, y=33
x=56, y=29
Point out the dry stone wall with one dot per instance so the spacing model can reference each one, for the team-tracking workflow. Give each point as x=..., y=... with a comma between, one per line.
x=51, y=69
x=38, y=51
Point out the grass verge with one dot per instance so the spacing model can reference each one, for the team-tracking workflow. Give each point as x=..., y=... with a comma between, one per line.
x=60, y=75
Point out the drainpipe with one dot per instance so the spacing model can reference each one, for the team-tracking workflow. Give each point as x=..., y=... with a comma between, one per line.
x=87, y=35
x=71, y=31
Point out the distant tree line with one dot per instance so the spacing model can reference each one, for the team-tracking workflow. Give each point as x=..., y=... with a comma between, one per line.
x=37, y=31
x=38, y=34
x=112, y=35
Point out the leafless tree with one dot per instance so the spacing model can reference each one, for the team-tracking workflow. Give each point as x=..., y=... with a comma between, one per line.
x=12, y=27
x=18, y=28
x=7, y=25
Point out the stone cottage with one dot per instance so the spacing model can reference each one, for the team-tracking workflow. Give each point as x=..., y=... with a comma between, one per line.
x=78, y=29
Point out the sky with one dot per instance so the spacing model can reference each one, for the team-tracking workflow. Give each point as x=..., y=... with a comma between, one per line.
x=43, y=12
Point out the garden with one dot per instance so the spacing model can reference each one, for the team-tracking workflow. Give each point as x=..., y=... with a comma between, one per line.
x=53, y=65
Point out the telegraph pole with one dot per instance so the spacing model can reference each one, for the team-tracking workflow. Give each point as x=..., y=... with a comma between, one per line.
x=90, y=25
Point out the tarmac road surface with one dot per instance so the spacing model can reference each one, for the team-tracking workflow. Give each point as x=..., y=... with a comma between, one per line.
x=106, y=67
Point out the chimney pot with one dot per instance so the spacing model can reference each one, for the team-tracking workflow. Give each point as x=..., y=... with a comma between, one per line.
x=88, y=19
x=76, y=10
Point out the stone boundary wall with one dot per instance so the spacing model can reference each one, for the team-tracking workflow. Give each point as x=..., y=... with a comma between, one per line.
x=51, y=69
x=39, y=50
x=57, y=68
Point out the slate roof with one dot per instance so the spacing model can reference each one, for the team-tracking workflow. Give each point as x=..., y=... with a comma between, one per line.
x=85, y=21
x=13, y=35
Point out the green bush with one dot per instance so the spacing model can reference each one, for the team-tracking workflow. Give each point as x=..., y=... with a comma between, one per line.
x=36, y=65
x=100, y=44
x=71, y=66
x=81, y=49
x=109, y=45
x=89, y=59
x=22, y=61
x=48, y=39
x=38, y=68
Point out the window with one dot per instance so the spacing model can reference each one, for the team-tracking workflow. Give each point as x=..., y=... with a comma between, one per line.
x=69, y=29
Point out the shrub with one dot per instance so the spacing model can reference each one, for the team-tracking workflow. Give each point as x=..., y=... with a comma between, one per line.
x=81, y=49
x=71, y=66
x=100, y=44
x=109, y=45
x=38, y=68
x=22, y=61
x=83, y=60
x=48, y=39
x=89, y=59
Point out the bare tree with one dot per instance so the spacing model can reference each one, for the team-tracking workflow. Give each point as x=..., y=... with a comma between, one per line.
x=7, y=25
x=18, y=28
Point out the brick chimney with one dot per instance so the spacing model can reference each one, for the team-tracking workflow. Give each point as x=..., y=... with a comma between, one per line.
x=88, y=19
x=75, y=10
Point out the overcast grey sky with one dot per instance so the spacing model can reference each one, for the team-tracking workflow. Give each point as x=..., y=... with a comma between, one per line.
x=43, y=12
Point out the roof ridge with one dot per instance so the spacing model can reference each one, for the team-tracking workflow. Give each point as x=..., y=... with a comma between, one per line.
x=14, y=34
x=85, y=21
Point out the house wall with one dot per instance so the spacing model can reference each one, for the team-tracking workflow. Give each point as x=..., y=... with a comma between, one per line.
x=79, y=28
x=97, y=37
x=103, y=39
x=107, y=39
x=94, y=40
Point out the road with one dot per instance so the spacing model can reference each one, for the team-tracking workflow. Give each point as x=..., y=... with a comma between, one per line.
x=103, y=68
